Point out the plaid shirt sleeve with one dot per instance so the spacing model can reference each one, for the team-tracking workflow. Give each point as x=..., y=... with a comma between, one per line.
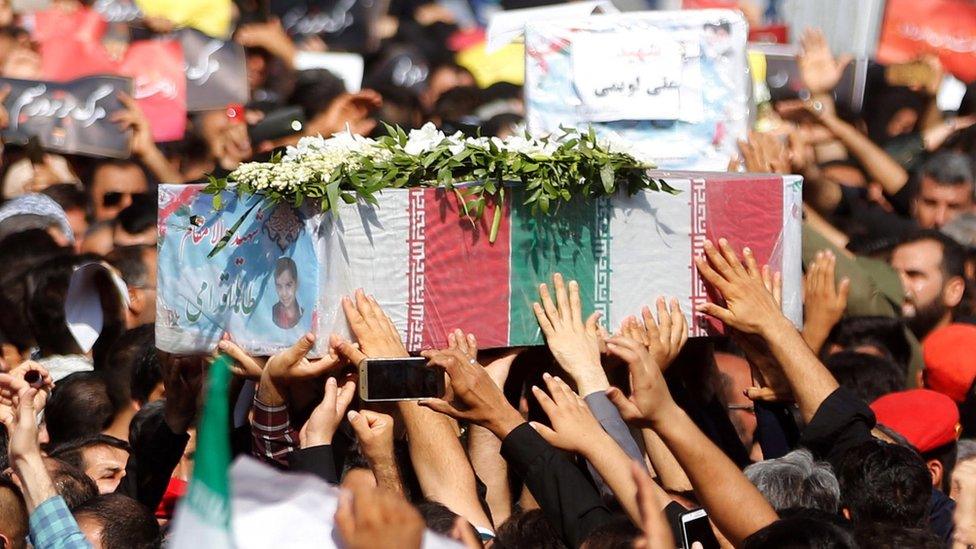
x=274, y=438
x=53, y=527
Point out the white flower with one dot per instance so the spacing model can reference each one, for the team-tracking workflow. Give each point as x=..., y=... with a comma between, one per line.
x=534, y=148
x=423, y=140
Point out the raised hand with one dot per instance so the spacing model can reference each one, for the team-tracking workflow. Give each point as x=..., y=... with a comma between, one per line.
x=292, y=364
x=369, y=518
x=375, y=332
x=574, y=428
x=374, y=430
x=27, y=374
x=244, y=366
x=650, y=400
x=656, y=532
x=477, y=398
x=498, y=367
x=20, y=418
x=824, y=300
x=749, y=306
x=666, y=336
x=819, y=69
x=574, y=344
x=326, y=417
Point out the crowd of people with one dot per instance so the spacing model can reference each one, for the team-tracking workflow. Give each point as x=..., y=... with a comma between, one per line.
x=850, y=432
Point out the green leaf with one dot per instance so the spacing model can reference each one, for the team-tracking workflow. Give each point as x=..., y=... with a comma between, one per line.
x=332, y=191
x=218, y=201
x=496, y=222
x=606, y=176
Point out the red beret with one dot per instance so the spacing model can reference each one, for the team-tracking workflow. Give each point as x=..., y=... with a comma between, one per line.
x=950, y=360
x=926, y=418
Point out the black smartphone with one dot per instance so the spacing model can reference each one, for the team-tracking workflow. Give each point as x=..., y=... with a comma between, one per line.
x=277, y=124
x=392, y=379
x=696, y=528
x=34, y=150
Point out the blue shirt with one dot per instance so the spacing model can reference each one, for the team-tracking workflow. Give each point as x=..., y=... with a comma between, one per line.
x=53, y=527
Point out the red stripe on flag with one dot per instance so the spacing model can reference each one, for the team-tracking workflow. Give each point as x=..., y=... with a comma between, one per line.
x=466, y=278
x=747, y=212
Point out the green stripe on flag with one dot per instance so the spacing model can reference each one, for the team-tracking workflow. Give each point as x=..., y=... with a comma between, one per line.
x=570, y=242
x=209, y=492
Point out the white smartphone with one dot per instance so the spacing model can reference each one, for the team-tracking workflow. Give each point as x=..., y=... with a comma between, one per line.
x=696, y=528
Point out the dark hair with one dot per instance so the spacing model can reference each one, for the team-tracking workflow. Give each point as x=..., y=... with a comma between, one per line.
x=886, y=483
x=145, y=424
x=527, y=530
x=953, y=254
x=78, y=407
x=315, y=90
x=893, y=536
x=19, y=254
x=869, y=376
x=807, y=529
x=439, y=518
x=47, y=286
x=126, y=523
x=130, y=262
x=147, y=373
x=885, y=333
x=71, y=483
x=68, y=196
x=125, y=353
x=948, y=168
x=617, y=533
x=72, y=451
x=502, y=91
x=494, y=125
x=457, y=104
x=401, y=106
x=140, y=215
x=286, y=264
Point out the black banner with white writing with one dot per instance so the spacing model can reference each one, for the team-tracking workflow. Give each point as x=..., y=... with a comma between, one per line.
x=70, y=117
x=216, y=71
x=344, y=25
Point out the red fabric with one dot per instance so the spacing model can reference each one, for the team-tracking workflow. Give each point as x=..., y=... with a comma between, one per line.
x=946, y=28
x=71, y=47
x=746, y=212
x=950, y=363
x=926, y=418
x=466, y=278
x=174, y=491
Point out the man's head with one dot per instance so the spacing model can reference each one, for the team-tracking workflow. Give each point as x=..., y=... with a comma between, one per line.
x=147, y=378
x=868, y=376
x=126, y=352
x=137, y=265
x=929, y=421
x=886, y=483
x=79, y=407
x=19, y=254
x=871, y=335
x=13, y=516
x=113, y=183
x=736, y=377
x=442, y=78
x=945, y=190
x=796, y=480
x=70, y=482
x=114, y=521
x=527, y=529
x=75, y=204
x=136, y=224
x=932, y=269
x=47, y=292
x=806, y=529
x=101, y=457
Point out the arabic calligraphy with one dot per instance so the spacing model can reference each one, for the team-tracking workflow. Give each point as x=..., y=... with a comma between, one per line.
x=237, y=297
x=204, y=64
x=35, y=102
x=339, y=18
x=633, y=87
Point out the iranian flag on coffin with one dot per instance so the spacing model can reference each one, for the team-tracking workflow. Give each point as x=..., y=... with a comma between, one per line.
x=433, y=271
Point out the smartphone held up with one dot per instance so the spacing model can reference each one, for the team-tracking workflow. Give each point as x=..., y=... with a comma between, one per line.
x=395, y=379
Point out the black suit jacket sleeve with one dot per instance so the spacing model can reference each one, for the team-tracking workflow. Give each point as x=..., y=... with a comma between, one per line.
x=317, y=460
x=565, y=495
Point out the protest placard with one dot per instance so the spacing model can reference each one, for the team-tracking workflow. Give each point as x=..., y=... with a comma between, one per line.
x=68, y=117
x=432, y=270
x=944, y=28
x=216, y=71
x=673, y=83
x=344, y=25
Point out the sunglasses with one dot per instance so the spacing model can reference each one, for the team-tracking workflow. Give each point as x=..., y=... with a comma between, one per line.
x=113, y=198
